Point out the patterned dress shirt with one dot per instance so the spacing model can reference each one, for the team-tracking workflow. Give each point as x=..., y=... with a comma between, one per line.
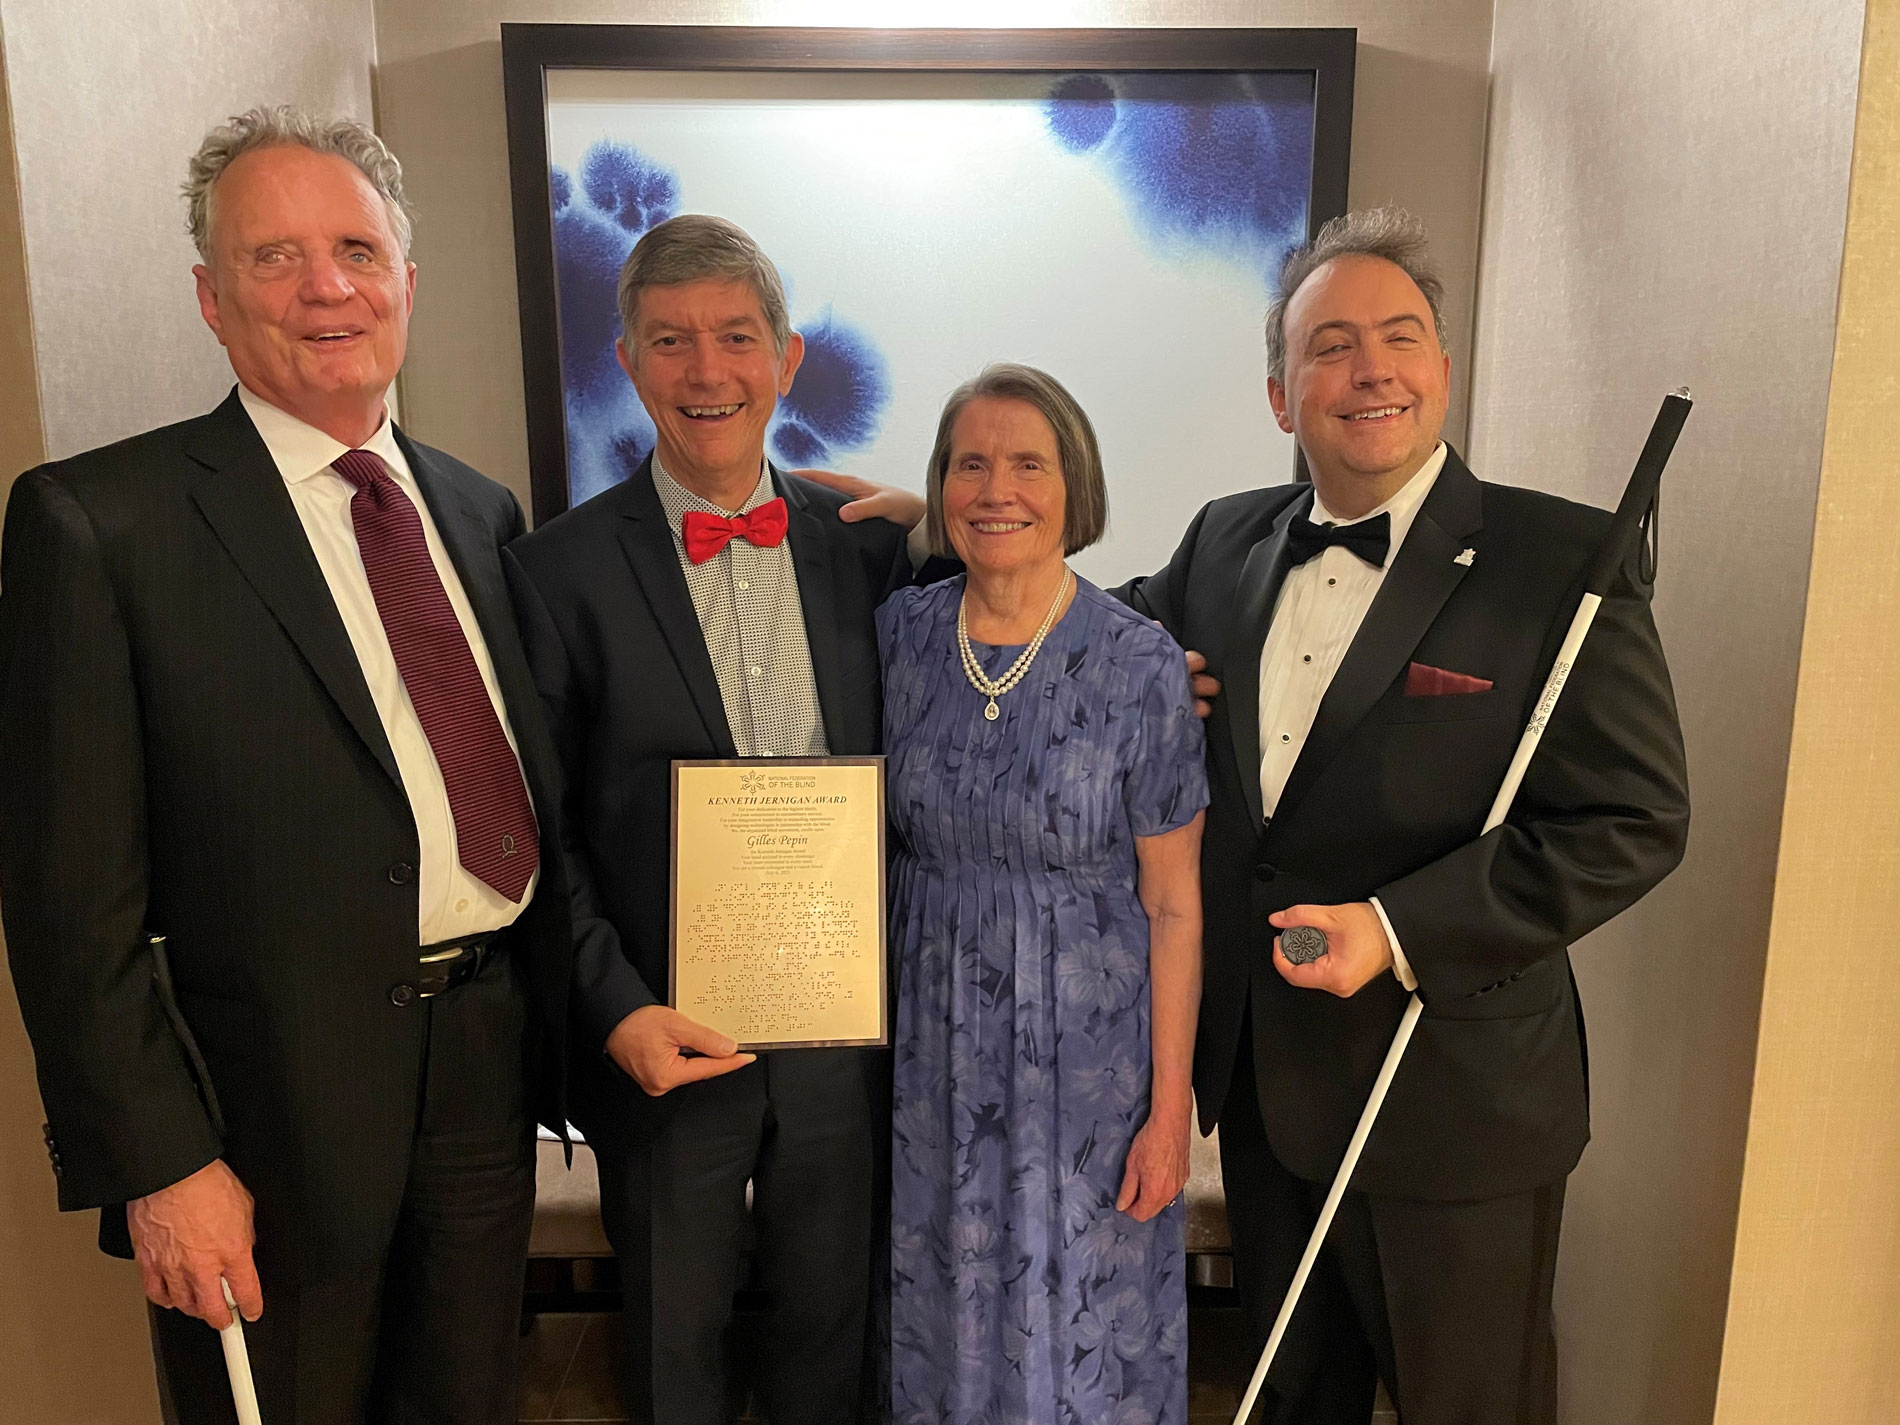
x=749, y=610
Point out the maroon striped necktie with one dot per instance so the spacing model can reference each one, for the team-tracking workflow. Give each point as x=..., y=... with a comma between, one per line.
x=495, y=836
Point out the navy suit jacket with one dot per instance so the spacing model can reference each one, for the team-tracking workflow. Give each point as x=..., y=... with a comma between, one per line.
x=622, y=666
x=191, y=750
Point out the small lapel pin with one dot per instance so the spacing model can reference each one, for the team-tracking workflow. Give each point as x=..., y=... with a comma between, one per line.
x=1466, y=558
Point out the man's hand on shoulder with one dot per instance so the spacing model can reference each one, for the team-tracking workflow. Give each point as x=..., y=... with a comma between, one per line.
x=870, y=500
x=185, y=1237
x=1206, y=686
x=648, y=1045
x=1357, y=952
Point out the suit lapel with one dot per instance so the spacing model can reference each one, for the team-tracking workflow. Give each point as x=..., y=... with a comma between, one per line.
x=1259, y=589
x=242, y=497
x=811, y=560
x=648, y=544
x=1424, y=572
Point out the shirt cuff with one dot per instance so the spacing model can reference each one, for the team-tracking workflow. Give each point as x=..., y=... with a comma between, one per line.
x=1401, y=967
x=918, y=543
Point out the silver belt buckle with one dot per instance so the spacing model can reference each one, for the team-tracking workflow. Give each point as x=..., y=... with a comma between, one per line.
x=448, y=959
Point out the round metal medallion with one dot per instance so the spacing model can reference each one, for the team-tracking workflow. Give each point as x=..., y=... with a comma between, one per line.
x=1303, y=944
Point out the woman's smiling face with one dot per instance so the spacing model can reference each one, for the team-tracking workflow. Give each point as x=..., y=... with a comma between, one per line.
x=1004, y=496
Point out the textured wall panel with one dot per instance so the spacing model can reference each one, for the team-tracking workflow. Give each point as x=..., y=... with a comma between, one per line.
x=1814, y=1305
x=109, y=100
x=1664, y=204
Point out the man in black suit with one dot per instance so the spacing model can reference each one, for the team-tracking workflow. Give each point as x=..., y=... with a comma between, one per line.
x=710, y=606
x=1382, y=635
x=277, y=915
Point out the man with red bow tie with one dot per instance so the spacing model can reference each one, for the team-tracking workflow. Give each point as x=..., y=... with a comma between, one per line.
x=710, y=606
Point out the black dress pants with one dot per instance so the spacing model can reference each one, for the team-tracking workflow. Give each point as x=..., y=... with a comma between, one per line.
x=1449, y=1303
x=429, y=1335
x=809, y=1129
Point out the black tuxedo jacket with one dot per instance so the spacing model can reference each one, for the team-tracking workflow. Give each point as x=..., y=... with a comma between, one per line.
x=1388, y=797
x=191, y=750
x=622, y=665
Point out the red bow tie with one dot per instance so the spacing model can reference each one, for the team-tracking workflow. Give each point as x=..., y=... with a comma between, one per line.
x=707, y=534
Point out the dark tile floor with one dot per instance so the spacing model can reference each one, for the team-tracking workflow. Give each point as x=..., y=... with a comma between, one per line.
x=568, y=1375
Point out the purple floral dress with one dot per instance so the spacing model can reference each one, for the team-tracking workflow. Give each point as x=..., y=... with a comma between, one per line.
x=1018, y=1292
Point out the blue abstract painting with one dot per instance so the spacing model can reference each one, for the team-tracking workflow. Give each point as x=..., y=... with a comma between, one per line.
x=1120, y=230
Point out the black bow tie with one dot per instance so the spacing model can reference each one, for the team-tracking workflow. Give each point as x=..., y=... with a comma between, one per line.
x=1369, y=539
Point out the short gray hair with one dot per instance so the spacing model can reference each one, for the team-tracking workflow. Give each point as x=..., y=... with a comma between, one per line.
x=1391, y=234
x=1085, y=492
x=697, y=248
x=284, y=126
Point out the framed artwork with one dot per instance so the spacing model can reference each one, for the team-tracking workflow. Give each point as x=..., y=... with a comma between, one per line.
x=1109, y=205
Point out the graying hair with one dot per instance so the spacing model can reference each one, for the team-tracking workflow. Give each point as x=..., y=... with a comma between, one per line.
x=284, y=126
x=1085, y=492
x=1388, y=233
x=697, y=248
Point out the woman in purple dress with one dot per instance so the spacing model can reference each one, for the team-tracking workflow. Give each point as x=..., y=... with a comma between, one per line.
x=1046, y=786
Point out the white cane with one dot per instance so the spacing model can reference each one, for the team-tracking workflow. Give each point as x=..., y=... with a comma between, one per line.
x=237, y=1363
x=1625, y=529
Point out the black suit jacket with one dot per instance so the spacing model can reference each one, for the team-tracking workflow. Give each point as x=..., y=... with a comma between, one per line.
x=191, y=749
x=622, y=665
x=1388, y=797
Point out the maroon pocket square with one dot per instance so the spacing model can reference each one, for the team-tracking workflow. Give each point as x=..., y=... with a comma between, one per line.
x=1424, y=681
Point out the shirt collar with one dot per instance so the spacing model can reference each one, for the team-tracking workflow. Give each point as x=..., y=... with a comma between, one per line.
x=301, y=450
x=1403, y=506
x=676, y=499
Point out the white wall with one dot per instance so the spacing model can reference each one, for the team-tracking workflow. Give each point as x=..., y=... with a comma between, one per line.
x=1665, y=200
x=1418, y=137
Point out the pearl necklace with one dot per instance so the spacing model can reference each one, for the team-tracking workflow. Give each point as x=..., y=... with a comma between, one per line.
x=994, y=688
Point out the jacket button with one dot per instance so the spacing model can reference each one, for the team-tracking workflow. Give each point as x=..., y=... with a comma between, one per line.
x=402, y=996
x=401, y=874
x=1265, y=871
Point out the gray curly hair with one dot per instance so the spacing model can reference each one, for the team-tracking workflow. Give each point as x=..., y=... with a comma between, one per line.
x=283, y=125
x=1389, y=233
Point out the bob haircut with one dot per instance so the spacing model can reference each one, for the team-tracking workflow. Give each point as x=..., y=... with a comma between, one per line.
x=1085, y=503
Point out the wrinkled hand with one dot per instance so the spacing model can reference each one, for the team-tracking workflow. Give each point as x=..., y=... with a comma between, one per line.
x=1206, y=686
x=1357, y=952
x=1157, y=1166
x=185, y=1237
x=647, y=1045
x=870, y=500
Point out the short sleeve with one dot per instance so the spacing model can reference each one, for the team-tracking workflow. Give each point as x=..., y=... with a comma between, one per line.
x=1167, y=785
x=892, y=617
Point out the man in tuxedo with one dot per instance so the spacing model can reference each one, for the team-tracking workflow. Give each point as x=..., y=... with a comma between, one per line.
x=283, y=937
x=710, y=606
x=1382, y=635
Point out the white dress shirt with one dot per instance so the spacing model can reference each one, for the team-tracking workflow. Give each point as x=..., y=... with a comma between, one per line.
x=453, y=903
x=1318, y=613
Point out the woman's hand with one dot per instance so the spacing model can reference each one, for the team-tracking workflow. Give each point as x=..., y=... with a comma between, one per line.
x=1157, y=1166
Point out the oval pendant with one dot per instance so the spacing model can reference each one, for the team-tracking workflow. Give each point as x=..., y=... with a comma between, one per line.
x=990, y=712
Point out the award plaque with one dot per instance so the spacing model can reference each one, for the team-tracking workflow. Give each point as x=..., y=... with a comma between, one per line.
x=777, y=914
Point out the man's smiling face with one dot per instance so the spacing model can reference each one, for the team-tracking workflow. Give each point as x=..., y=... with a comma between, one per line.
x=307, y=286
x=704, y=363
x=1366, y=381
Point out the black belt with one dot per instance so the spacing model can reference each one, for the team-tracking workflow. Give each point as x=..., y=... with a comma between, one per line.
x=450, y=963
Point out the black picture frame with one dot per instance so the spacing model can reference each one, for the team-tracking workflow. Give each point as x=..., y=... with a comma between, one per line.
x=529, y=51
